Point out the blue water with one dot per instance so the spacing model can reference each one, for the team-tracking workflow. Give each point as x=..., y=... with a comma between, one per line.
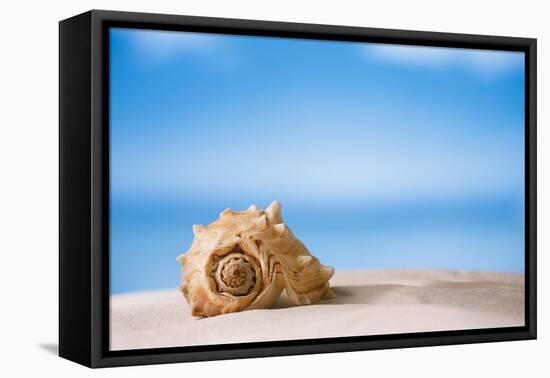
x=148, y=235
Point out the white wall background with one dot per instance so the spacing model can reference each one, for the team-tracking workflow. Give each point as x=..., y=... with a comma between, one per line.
x=29, y=189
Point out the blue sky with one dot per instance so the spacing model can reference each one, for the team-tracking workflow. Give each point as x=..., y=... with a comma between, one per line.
x=406, y=135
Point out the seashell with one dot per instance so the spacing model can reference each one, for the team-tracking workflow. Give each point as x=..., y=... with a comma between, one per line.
x=245, y=259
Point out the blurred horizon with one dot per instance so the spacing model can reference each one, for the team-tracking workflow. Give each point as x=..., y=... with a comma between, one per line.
x=383, y=156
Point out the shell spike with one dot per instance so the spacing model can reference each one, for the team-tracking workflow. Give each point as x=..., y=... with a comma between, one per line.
x=273, y=213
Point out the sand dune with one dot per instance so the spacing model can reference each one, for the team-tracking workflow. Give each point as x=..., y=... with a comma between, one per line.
x=368, y=302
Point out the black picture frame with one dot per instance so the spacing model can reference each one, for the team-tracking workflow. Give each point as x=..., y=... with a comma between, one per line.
x=84, y=188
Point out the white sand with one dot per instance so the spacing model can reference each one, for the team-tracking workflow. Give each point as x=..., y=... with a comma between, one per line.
x=368, y=302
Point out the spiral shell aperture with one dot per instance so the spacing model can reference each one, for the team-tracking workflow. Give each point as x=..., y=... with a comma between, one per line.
x=244, y=260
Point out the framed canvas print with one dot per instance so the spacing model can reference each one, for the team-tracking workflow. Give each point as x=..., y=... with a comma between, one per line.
x=236, y=188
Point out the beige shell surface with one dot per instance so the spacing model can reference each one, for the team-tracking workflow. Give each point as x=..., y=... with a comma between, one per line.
x=245, y=259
